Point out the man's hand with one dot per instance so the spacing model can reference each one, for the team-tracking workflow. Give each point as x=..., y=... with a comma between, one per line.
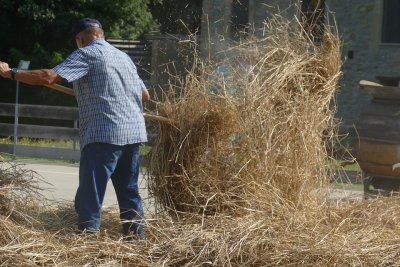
x=5, y=70
x=145, y=95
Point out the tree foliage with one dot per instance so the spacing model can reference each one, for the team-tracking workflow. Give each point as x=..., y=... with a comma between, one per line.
x=40, y=30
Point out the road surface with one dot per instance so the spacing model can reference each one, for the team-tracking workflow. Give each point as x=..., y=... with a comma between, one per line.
x=60, y=182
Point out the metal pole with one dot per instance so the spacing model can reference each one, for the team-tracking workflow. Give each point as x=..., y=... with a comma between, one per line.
x=16, y=122
x=22, y=65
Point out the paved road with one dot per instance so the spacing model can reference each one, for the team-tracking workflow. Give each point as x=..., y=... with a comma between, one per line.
x=347, y=193
x=60, y=182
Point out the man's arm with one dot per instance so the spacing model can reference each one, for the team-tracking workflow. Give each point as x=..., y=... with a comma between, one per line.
x=145, y=95
x=33, y=77
x=145, y=92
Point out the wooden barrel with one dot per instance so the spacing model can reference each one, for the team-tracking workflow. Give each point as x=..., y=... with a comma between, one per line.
x=378, y=146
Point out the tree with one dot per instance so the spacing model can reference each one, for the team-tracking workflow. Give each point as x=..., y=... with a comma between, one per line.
x=40, y=31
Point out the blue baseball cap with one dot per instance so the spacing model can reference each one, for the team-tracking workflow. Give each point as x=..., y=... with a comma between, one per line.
x=84, y=24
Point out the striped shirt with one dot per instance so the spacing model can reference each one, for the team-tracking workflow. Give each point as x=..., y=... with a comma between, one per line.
x=109, y=94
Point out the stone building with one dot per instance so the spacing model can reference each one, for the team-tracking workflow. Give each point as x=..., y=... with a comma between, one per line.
x=370, y=30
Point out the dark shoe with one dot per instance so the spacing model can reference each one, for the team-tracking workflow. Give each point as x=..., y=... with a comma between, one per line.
x=87, y=232
x=135, y=230
x=133, y=239
x=134, y=236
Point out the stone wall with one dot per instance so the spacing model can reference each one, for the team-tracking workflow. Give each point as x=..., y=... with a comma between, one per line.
x=216, y=20
x=359, y=23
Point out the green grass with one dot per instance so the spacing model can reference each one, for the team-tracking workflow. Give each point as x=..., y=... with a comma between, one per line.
x=144, y=149
x=349, y=186
x=24, y=141
x=41, y=160
x=336, y=164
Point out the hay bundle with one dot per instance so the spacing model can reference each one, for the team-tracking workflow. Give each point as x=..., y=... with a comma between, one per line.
x=258, y=137
x=201, y=120
x=18, y=186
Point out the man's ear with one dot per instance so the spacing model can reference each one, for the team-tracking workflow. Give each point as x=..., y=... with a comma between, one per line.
x=79, y=42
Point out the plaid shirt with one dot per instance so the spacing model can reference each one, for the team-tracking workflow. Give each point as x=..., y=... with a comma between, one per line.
x=109, y=94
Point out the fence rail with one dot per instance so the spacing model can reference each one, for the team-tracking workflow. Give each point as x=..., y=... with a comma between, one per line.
x=41, y=131
x=140, y=53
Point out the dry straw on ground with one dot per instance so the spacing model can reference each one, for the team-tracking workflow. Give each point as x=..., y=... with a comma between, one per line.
x=237, y=174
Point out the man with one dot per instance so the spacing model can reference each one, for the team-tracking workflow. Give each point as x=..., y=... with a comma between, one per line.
x=109, y=93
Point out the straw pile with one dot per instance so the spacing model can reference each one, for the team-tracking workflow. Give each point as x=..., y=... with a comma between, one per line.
x=256, y=135
x=17, y=187
x=239, y=171
x=355, y=234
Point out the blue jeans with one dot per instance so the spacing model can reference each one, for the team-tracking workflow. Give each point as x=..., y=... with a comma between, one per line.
x=98, y=163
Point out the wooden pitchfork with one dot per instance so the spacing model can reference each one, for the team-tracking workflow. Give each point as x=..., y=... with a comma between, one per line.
x=69, y=91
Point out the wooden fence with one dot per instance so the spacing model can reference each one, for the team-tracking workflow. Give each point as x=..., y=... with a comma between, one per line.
x=68, y=115
x=140, y=53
